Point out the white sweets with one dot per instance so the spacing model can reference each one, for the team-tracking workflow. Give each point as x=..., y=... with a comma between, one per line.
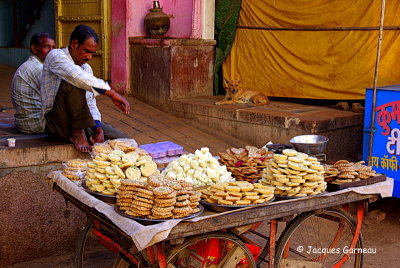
x=200, y=168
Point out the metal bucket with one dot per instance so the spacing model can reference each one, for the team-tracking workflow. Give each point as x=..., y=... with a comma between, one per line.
x=310, y=144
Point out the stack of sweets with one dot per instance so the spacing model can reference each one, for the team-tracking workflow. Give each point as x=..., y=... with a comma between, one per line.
x=123, y=144
x=107, y=170
x=75, y=169
x=344, y=171
x=127, y=194
x=246, y=164
x=165, y=198
x=294, y=174
x=187, y=200
x=158, y=198
x=239, y=193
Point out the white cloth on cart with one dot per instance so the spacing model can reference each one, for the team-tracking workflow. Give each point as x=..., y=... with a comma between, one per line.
x=144, y=236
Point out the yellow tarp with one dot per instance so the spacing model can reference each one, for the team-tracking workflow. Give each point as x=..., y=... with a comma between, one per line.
x=314, y=64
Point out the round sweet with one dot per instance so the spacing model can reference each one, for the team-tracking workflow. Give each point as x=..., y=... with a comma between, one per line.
x=137, y=203
x=148, y=169
x=182, y=210
x=162, y=191
x=144, y=200
x=280, y=157
x=101, y=163
x=113, y=177
x=118, y=171
x=145, y=191
x=182, y=203
x=289, y=152
x=295, y=159
x=155, y=181
x=136, y=183
x=130, y=157
x=174, y=185
x=110, y=170
x=133, y=173
x=243, y=202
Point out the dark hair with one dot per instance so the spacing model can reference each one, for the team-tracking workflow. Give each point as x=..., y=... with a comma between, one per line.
x=82, y=33
x=36, y=39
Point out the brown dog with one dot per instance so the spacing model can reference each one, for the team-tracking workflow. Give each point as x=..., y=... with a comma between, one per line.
x=236, y=94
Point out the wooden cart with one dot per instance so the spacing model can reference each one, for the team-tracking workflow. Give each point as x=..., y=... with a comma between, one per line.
x=309, y=215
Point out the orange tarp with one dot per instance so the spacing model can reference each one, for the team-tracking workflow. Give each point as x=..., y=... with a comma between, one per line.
x=314, y=64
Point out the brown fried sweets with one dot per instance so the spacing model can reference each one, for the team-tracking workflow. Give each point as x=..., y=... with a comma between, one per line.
x=343, y=171
x=246, y=163
x=158, y=199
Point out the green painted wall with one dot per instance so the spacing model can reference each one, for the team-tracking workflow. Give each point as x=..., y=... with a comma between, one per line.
x=16, y=56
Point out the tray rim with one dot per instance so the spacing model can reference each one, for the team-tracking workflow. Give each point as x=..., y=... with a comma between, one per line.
x=236, y=207
x=120, y=212
x=96, y=194
x=298, y=197
x=331, y=187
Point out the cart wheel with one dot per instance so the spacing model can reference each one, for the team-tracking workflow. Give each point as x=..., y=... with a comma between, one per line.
x=319, y=239
x=89, y=254
x=226, y=250
x=259, y=237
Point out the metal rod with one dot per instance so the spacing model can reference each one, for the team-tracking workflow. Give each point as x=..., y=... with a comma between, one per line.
x=378, y=59
x=321, y=28
x=272, y=241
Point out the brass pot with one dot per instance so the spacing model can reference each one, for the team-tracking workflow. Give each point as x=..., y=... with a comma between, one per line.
x=156, y=21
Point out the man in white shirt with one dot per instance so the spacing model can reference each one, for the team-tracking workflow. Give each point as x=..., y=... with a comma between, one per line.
x=25, y=86
x=65, y=80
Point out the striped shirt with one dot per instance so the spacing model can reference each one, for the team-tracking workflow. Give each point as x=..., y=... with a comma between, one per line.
x=59, y=66
x=25, y=94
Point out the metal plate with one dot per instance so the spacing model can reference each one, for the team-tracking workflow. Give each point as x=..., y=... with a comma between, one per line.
x=111, y=199
x=223, y=208
x=340, y=186
x=281, y=197
x=155, y=221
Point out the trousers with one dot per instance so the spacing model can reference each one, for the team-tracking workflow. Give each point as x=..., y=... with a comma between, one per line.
x=70, y=111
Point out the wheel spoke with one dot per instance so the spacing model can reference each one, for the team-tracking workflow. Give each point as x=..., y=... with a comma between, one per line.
x=319, y=239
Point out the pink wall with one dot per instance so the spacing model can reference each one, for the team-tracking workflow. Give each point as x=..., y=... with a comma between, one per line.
x=119, y=48
x=180, y=11
x=127, y=20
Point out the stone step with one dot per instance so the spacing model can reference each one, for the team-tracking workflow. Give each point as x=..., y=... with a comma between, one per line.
x=277, y=122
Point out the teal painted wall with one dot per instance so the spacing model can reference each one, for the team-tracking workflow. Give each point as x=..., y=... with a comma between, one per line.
x=5, y=23
x=16, y=56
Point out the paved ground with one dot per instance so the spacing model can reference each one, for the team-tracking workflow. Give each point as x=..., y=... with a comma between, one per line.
x=147, y=124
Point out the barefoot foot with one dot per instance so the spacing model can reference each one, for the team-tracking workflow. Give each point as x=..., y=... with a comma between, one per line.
x=78, y=138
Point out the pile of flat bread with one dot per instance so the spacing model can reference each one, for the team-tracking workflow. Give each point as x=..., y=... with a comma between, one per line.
x=106, y=171
x=75, y=169
x=239, y=193
x=294, y=174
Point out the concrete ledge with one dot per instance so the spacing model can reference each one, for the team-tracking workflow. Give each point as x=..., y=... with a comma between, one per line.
x=277, y=122
x=33, y=152
x=277, y=114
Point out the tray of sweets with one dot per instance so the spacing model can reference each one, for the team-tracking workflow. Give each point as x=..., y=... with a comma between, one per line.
x=147, y=221
x=111, y=199
x=332, y=186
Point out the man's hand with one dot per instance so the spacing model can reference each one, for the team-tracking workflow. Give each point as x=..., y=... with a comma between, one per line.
x=119, y=101
x=98, y=135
